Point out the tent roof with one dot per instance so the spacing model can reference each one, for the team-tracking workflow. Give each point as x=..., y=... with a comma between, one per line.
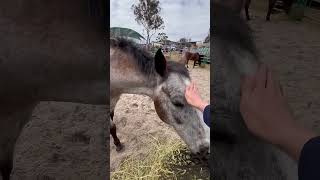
x=126, y=32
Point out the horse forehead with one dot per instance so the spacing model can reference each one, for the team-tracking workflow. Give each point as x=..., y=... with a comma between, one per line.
x=186, y=81
x=176, y=78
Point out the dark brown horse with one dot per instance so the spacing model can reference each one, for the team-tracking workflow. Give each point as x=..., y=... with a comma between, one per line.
x=286, y=6
x=195, y=57
x=50, y=51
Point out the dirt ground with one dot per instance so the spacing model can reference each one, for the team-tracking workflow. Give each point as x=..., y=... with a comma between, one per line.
x=137, y=120
x=63, y=141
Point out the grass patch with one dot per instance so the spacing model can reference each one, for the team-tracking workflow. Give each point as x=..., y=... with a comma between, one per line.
x=166, y=159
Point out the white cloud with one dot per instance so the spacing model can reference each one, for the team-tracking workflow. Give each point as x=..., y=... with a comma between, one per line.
x=182, y=18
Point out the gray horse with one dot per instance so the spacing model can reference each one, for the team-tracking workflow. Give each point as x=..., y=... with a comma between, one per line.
x=236, y=153
x=50, y=51
x=135, y=71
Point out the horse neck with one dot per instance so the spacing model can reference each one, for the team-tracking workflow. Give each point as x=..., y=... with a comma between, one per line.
x=140, y=90
x=143, y=86
x=126, y=77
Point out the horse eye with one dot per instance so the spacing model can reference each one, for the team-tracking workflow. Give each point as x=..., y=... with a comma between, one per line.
x=178, y=104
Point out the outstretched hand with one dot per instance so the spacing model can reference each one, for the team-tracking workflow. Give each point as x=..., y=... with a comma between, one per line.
x=193, y=97
x=267, y=114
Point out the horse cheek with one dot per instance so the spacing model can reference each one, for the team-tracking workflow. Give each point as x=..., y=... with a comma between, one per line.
x=160, y=111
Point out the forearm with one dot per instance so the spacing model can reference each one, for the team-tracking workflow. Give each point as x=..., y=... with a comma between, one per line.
x=308, y=167
x=202, y=105
x=206, y=115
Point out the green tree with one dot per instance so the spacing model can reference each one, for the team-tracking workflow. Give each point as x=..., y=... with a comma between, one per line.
x=147, y=14
x=185, y=42
x=182, y=42
x=162, y=37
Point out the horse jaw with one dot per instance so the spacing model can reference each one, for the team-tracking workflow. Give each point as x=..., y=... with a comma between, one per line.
x=205, y=127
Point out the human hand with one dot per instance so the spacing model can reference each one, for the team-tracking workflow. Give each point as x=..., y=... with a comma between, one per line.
x=193, y=97
x=267, y=114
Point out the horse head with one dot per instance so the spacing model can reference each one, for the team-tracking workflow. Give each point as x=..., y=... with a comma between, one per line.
x=172, y=107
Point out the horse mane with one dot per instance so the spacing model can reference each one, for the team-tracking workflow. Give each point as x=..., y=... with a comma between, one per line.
x=142, y=58
x=232, y=28
x=145, y=59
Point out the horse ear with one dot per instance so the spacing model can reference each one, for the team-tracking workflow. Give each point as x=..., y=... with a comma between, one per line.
x=160, y=63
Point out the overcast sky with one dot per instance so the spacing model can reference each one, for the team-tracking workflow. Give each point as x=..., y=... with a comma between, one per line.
x=182, y=18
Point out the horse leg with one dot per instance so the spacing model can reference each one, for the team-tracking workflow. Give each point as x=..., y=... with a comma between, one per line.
x=271, y=5
x=113, y=132
x=247, y=5
x=194, y=63
x=12, y=120
x=113, y=128
x=187, y=62
x=287, y=5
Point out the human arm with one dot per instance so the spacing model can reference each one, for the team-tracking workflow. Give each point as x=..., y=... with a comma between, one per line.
x=193, y=98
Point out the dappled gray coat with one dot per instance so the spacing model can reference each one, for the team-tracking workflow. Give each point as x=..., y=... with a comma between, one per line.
x=236, y=153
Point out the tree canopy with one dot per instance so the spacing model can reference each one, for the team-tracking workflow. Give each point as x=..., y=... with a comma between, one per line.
x=147, y=14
